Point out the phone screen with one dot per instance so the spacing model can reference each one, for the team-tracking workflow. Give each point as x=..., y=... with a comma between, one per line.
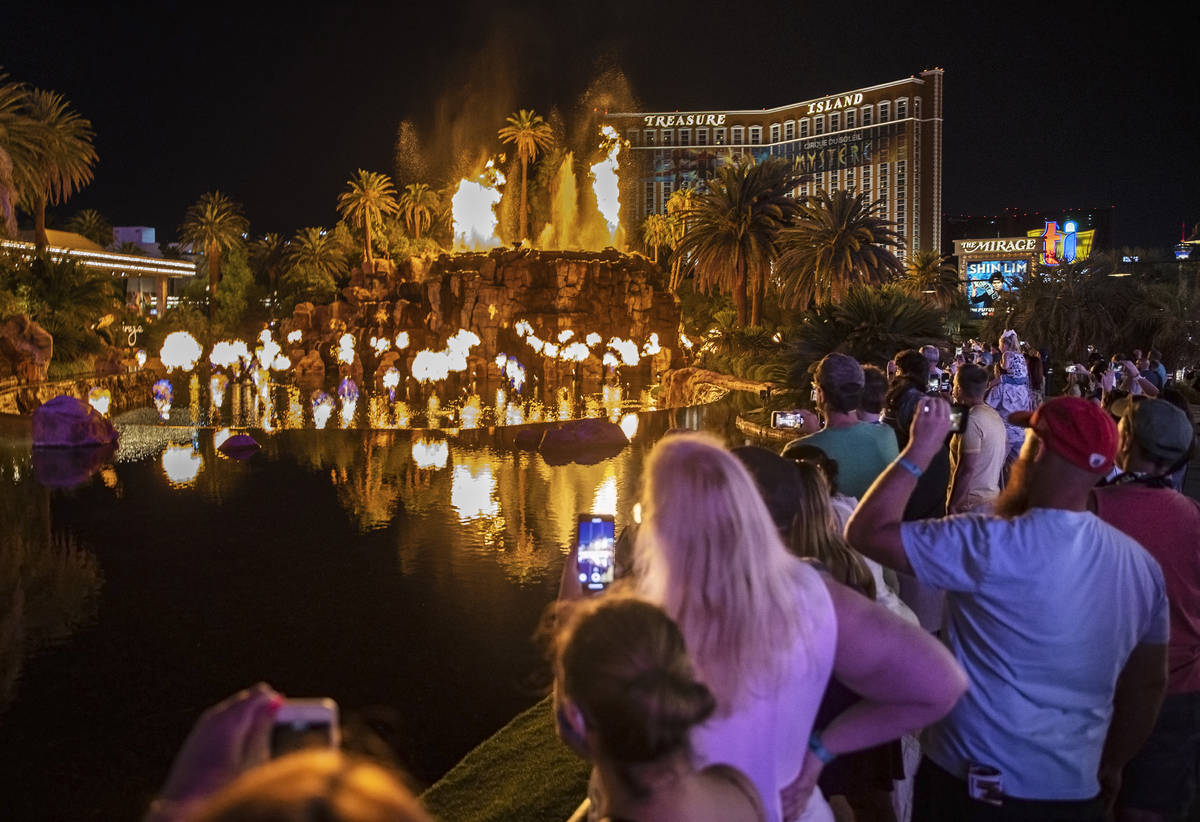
x=595, y=551
x=935, y=382
x=305, y=723
x=786, y=419
x=958, y=418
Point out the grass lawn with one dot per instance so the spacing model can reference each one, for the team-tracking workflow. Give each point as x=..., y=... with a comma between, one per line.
x=523, y=772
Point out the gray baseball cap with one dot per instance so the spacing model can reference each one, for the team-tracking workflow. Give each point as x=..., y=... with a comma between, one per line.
x=1161, y=430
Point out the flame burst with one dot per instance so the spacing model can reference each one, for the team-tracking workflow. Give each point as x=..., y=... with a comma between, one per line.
x=605, y=180
x=179, y=350
x=473, y=209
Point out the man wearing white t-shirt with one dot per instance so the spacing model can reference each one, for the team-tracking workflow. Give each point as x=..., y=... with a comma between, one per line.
x=1059, y=619
x=977, y=452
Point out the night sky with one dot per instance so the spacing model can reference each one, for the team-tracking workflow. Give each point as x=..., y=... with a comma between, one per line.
x=1048, y=106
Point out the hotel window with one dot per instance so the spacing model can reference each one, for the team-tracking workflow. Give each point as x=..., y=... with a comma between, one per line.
x=866, y=115
x=819, y=124
x=685, y=136
x=756, y=135
x=901, y=108
x=804, y=127
x=701, y=136
x=850, y=179
x=649, y=196
x=916, y=107
x=884, y=109
x=775, y=133
x=651, y=137
x=866, y=180
x=850, y=118
x=631, y=136
x=668, y=136
x=789, y=130
x=719, y=136
x=738, y=135
x=835, y=122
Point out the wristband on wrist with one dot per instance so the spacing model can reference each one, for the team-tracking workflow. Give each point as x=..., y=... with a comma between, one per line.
x=909, y=466
x=819, y=750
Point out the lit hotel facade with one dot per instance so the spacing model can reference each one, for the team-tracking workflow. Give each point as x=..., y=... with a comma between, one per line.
x=885, y=141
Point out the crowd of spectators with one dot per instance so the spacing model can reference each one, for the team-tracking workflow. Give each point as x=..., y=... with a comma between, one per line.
x=951, y=599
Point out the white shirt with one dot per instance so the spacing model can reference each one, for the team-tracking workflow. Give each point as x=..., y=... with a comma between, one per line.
x=1042, y=610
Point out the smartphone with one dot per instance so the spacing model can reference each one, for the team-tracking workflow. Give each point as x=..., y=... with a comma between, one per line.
x=595, y=551
x=945, y=380
x=305, y=723
x=958, y=418
x=935, y=382
x=787, y=419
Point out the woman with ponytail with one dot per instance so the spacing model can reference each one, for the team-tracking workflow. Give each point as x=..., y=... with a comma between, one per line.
x=626, y=698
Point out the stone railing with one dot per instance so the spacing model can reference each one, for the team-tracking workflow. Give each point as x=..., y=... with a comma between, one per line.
x=128, y=389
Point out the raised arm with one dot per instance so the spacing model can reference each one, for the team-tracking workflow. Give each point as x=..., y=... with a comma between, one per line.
x=874, y=528
x=906, y=678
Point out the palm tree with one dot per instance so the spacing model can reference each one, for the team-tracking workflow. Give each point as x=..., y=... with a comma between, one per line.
x=92, y=224
x=927, y=272
x=215, y=224
x=367, y=198
x=732, y=228
x=317, y=249
x=655, y=233
x=1065, y=307
x=531, y=134
x=267, y=256
x=679, y=204
x=62, y=163
x=418, y=205
x=67, y=298
x=19, y=141
x=868, y=324
x=836, y=240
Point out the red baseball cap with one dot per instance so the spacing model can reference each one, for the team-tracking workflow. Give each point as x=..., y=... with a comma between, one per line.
x=1076, y=429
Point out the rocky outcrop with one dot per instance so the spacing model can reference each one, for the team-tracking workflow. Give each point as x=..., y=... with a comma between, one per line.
x=68, y=422
x=25, y=348
x=606, y=293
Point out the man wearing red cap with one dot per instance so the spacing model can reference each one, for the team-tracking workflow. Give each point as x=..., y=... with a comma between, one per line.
x=1058, y=618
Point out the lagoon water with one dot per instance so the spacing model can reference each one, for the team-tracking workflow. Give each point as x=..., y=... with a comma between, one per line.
x=401, y=574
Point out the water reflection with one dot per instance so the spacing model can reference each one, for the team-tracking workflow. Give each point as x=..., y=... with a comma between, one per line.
x=181, y=464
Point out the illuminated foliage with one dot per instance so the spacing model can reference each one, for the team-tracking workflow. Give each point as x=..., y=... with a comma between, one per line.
x=368, y=197
x=530, y=134
x=214, y=224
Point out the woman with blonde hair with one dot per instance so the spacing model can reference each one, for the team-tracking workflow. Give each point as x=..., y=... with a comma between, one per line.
x=765, y=630
x=1010, y=391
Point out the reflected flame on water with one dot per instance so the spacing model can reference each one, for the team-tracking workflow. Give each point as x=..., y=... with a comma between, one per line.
x=629, y=424
x=100, y=399
x=181, y=464
x=428, y=454
x=473, y=492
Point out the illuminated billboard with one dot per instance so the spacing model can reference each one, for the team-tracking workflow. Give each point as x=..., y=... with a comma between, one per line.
x=1062, y=245
x=988, y=279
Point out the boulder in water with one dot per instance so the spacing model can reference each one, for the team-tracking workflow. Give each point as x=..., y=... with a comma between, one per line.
x=239, y=447
x=68, y=422
x=583, y=441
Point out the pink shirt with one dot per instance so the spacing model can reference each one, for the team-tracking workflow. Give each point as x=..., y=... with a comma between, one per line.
x=765, y=735
x=1167, y=524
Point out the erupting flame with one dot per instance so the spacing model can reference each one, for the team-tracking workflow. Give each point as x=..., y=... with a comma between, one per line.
x=100, y=399
x=348, y=394
x=604, y=180
x=391, y=379
x=179, y=350
x=430, y=366
x=575, y=352
x=473, y=207
x=565, y=335
x=627, y=349
x=228, y=353
x=593, y=339
x=140, y=357
x=296, y=336
x=683, y=339
x=380, y=344
x=651, y=347
x=345, y=349
x=402, y=341
x=162, y=397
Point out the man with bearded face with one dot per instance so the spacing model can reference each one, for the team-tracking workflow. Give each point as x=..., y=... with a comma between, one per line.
x=1059, y=619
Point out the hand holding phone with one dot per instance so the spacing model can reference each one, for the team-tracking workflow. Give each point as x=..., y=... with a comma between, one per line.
x=305, y=723
x=595, y=551
x=958, y=418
